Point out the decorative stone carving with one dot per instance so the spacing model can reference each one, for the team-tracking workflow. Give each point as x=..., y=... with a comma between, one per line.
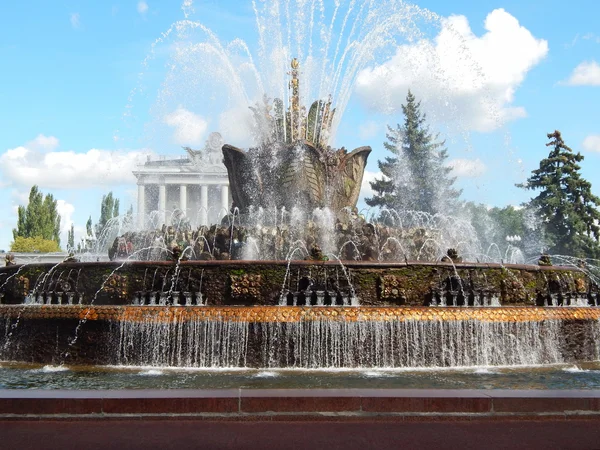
x=116, y=285
x=390, y=288
x=23, y=285
x=210, y=155
x=245, y=286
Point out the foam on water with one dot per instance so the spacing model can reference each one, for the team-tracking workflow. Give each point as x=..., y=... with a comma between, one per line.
x=266, y=374
x=576, y=369
x=376, y=374
x=151, y=372
x=51, y=369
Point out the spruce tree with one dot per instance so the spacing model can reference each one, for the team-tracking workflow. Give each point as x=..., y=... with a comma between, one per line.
x=416, y=177
x=565, y=203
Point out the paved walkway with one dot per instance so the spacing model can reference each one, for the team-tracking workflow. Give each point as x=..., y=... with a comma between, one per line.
x=186, y=434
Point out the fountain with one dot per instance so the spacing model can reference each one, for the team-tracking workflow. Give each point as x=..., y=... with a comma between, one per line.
x=295, y=277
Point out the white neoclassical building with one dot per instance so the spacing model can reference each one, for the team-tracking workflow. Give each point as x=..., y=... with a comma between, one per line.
x=197, y=185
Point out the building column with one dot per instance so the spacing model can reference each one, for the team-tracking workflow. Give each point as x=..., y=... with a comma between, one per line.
x=183, y=199
x=224, y=200
x=162, y=202
x=204, y=204
x=141, y=209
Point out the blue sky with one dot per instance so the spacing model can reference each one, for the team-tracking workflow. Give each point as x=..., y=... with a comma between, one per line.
x=79, y=106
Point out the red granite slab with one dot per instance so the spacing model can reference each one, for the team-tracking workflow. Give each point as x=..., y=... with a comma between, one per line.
x=169, y=405
x=48, y=406
x=251, y=404
x=426, y=404
x=299, y=404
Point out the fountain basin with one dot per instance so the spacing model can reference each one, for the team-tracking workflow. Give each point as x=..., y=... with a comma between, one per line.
x=299, y=337
x=297, y=314
x=295, y=283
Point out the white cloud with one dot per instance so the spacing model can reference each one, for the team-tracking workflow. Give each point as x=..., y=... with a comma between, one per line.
x=467, y=168
x=43, y=143
x=368, y=178
x=27, y=165
x=142, y=7
x=65, y=210
x=19, y=197
x=368, y=129
x=592, y=143
x=75, y=21
x=585, y=74
x=459, y=76
x=237, y=126
x=189, y=127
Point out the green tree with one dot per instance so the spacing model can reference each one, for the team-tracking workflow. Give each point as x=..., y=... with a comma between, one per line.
x=34, y=244
x=416, y=177
x=494, y=225
x=39, y=218
x=565, y=202
x=109, y=208
x=88, y=227
x=71, y=239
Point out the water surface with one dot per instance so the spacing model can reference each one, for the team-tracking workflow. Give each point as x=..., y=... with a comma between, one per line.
x=20, y=376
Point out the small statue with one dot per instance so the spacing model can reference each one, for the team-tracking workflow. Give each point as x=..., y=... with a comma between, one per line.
x=452, y=256
x=71, y=258
x=176, y=252
x=316, y=254
x=544, y=260
x=9, y=260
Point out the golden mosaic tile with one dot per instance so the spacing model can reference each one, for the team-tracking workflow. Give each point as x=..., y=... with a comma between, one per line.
x=295, y=313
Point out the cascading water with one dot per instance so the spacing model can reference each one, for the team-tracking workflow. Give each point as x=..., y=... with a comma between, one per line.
x=184, y=343
x=334, y=42
x=334, y=343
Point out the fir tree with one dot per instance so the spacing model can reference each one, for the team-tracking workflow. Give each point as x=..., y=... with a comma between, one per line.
x=416, y=177
x=565, y=203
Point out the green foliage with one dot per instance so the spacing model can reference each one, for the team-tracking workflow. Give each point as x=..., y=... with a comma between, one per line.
x=71, y=239
x=34, y=244
x=88, y=227
x=493, y=225
x=509, y=221
x=39, y=218
x=109, y=208
x=565, y=202
x=416, y=177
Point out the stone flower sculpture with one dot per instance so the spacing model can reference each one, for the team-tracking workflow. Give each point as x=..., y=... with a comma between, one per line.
x=303, y=176
x=293, y=166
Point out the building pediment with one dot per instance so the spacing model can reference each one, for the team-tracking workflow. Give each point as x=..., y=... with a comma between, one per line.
x=204, y=168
